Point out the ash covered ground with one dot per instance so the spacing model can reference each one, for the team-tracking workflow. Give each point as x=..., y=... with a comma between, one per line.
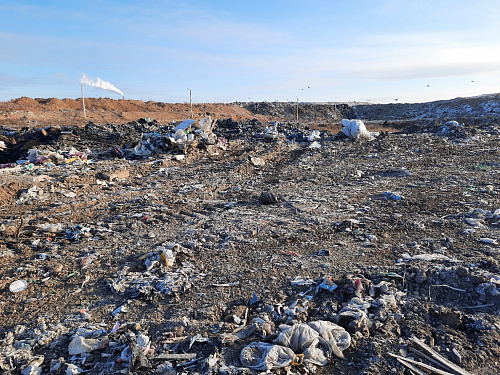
x=123, y=252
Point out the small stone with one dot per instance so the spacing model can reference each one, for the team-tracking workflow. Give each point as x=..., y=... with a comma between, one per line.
x=398, y=317
x=113, y=175
x=57, y=268
x=257, y=162
x=421, y=277
x=267, y=198
x=461, y=271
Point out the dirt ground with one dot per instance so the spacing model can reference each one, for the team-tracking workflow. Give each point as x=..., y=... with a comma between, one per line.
x=403, y=227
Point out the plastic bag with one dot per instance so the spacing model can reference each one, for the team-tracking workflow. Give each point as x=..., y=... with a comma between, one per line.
x=81, y=345
x=317, y=340
x=312, y=343
x=314, y=136
x=336, y=336
x=262, y=356
x=355, y=129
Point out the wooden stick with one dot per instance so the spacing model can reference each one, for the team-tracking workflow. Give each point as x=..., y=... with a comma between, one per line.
x=411, y=367
x=174, y=356
x=423, y=365
x=426, y=357
x=456, y=369
x=479, y=306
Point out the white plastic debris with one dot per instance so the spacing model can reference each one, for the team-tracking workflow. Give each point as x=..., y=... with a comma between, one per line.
x=428, y=257
x=32, y=192
x=18, y=286
x=81, y=345
x=315, y=342
x=257, y=162
x=355, y=129
x=271, y=133
x=121, y=309
x=314, y=136
x=488, y=241
x=315, y=145
x=33, y=367
x=144, y=342
x=72, y=369
x=180, y=136
x=262, y=356
x=142, y=149
x=179, y=157
x=206, y=124
x=300, y=281
x=52, y=228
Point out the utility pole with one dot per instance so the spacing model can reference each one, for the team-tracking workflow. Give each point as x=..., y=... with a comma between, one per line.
x=190, y=103
x=297, y=109
x=83, y=103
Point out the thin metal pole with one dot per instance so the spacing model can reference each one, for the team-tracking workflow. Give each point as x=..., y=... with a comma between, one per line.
x=190, y=103
x=297, y=109
x=83, y=103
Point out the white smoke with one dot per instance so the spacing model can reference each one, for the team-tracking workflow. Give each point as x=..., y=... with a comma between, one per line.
x=100, y=84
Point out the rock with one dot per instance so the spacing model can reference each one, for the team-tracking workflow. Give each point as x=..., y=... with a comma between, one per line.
x=421, y=277
x=452, y=318
x=113, y=175
x=267, y=198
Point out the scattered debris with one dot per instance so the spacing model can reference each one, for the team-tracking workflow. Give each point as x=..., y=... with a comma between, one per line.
x=371, y=244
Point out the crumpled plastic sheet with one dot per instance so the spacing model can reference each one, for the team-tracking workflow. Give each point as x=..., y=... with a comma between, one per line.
x=355, y=129
x=312, y=343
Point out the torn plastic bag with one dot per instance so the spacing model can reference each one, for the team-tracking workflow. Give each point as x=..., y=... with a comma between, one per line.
x=262, y=356
x=336, y=336
x=81, y=345
x=297, y=337
x=355, y=129
x=143, y=149
x=317, y=340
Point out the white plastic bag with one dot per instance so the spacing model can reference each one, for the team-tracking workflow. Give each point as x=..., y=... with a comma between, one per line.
x=81, y=345
x=262, y=356
x=312, y=343
x=336, y=336
x=355, y=129
x=314, y=136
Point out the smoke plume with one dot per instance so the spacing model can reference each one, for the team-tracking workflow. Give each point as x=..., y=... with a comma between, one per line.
x=100, y=84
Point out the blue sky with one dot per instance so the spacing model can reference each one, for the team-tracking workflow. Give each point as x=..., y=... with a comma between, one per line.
x=224, y=51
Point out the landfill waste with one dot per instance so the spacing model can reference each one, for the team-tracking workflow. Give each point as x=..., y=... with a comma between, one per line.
x=355, y=129
x=80, y=345
x=18, y=286
x=314, y=136
x=392, y=196
x=160, y=266
x=271, y=133
x=311, y=343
